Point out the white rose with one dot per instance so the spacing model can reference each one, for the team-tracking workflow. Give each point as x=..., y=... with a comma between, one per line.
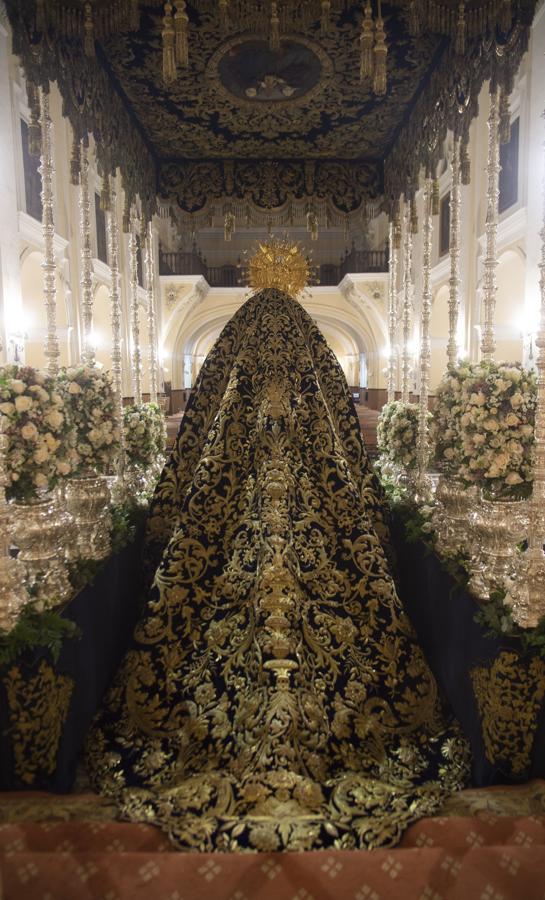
x=23, y=404
x=511, y=419
x=40, y=480
x=29, y=431
x=55, y=419
x=516, y=400
x=74, y=388
x=41, y=455
x=7, y=408
x=491, y=424
x=52, y=442
x=513, y=478
x=63, y=468
x=17, y=385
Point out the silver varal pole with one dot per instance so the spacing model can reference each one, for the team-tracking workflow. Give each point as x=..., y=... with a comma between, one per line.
x=152, y=329
x=488, y=343
x=115, y=305
x=423, y=447
x=88, y=350
x=407, y=305
x=49, y=266
x=392, y=320
x=454, y=253
x=136, y=355
x=529, y=594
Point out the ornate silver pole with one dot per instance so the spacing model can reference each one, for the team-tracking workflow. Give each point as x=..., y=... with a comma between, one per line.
x=454, y=250
x=87, y=350
x=425, y=346
x=115, y=301
x=529, y=598
x=407, y=305
x=392, y=320
x=49, y=266
x=12, y=593
x=488, y=344
x=135, y=326
x=150, y=286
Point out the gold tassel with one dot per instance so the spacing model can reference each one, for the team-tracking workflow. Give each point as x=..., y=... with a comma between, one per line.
x=366, y=41
x=312, y=225
x=105, y=196
x=414, y=216
x=181, y=25
x=224, y=14
x=414, y=19
x=229, y=223
x=88, y=31
x=40, y=15
x=75, y=161
x=34, y=128
x=380, y=51
x=460, y=45
x=126, y=215
x=435, y=198
x=324, y=20
x=506, y=16
x=505, y=116
x=134, y=16
x=169, y=57
x=274, y=37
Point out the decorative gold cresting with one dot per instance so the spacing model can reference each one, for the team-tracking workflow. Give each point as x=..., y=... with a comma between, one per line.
x=279, y=263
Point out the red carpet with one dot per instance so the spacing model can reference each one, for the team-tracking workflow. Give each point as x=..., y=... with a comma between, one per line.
x=446, y=858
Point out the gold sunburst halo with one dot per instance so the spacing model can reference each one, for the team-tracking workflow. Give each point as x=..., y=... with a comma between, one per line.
x=279, y=263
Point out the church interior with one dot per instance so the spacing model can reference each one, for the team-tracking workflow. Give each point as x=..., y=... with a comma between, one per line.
x=272, y=329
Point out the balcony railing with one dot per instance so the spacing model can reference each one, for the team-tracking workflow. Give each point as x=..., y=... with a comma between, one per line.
x=228, y=276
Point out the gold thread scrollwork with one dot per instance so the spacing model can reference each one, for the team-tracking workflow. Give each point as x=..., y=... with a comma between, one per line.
x=38, y=707
x=509, y=694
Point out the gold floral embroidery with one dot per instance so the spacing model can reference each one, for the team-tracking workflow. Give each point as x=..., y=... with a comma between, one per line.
x=275, y=696
x=509, y=695
x=38, y=707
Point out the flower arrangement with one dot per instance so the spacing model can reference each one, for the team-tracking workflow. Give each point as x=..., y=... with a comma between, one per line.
x=489, y=427
x=444, y=431
x=145, y=435
x=89, y=396
x=37, y=429
x=397, y=434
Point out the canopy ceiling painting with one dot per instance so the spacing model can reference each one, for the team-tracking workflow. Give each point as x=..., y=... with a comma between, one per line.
x=226, y=101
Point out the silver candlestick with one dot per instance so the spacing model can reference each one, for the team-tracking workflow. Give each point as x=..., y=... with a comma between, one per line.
x=13, y=595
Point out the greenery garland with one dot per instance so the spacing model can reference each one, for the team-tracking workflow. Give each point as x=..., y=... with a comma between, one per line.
x=36, y=629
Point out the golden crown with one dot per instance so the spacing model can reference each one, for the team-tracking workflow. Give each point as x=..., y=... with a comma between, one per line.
x=279, y=263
